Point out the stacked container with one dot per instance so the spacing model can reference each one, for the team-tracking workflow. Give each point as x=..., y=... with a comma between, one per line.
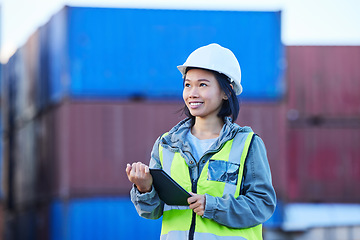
x=93, y=88
x=1, y=165
x=324, y=123
x=323, y=134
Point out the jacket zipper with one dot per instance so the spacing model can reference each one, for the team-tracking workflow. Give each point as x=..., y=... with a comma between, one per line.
x=193, y=219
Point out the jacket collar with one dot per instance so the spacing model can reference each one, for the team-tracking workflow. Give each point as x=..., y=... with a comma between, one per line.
x=176, y=138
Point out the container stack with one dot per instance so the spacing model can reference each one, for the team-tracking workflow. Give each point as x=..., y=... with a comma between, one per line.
x=324, y=123
x=323, y=134
x=1, y=166
x=93, y=88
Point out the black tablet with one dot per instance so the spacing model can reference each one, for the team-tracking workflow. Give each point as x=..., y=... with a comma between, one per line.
x=169, y=191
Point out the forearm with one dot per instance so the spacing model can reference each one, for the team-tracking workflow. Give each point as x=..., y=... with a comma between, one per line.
x=243, y=212
x=148, y=205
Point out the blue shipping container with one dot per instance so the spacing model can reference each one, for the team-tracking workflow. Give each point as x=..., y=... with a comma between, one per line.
x=100, y=218
x=127, y=53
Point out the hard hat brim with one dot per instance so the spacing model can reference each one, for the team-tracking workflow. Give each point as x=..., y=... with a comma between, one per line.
x=237, y=89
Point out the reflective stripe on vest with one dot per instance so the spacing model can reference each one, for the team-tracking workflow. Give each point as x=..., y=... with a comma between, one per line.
x=177, y=219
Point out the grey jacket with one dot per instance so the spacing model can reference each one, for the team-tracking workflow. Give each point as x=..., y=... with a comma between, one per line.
x=257, y=201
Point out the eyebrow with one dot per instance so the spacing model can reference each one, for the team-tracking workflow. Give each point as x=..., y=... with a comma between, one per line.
x=199, y=80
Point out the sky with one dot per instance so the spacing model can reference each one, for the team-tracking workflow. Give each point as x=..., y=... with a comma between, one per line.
x=304, y=22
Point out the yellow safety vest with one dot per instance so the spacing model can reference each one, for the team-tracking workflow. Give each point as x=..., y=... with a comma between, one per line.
x=177, y=219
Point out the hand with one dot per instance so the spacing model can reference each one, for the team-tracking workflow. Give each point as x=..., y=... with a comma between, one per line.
x=197, y=203
x=139, y=174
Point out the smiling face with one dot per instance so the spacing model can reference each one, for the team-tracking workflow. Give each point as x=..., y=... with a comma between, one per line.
x=202, y=93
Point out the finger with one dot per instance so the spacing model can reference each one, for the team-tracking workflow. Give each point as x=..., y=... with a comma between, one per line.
x=133, y=167
x=142, y=168
x=128, y=169
x=147, y=170
x=138, y=169
x=200, y=213
x=196, y=205
x=191, y=200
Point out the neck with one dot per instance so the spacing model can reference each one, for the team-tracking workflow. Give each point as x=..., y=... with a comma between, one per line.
x=207, y=128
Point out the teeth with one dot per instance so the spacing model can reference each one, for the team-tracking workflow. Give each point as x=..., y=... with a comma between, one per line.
x=195, y=104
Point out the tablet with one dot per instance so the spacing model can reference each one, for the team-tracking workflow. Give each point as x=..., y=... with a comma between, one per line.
x=169, y=191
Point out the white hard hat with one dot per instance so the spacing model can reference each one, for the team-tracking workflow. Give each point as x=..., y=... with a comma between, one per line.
x=217, y=58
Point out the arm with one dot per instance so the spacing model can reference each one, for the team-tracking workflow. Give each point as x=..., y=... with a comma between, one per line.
x=148, y=204
x=257, y=201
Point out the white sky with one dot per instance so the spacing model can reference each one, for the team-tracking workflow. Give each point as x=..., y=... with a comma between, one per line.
x=304, y=22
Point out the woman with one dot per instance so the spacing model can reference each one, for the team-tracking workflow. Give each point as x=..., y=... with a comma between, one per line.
x=223, y=165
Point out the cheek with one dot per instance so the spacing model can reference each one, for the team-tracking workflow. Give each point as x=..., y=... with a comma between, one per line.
x=184, y=95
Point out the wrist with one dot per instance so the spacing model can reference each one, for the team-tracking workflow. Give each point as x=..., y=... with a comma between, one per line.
x=143, y=190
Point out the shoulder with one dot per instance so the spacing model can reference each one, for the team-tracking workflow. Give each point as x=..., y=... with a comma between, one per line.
x=256, y=141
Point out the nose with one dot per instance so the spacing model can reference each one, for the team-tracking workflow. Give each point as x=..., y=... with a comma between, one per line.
x=194, y=93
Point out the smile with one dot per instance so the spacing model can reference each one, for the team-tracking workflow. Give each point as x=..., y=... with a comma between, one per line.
x=195, y=103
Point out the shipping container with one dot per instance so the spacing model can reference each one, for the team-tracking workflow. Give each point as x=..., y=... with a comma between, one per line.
x=323, y=164
x=323, y=112
x=318, y=233
x=100, y=218
x=8, y=103
x=1, y=161
x=133, y=53
x=1, y=77
x=30, y=224
x=45, y=156
x=93, y=142
x=4, y=170
x=2, y=217
x=18, y=85
x=42, y=82
x=27, y=83
x=19, y=82
x=25, y=166
x=11, y=72
x=83, y=147
x=299, y=221
x=324, y=82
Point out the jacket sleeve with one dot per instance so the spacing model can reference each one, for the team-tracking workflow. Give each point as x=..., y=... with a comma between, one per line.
x=148, y=205
x=257, y=201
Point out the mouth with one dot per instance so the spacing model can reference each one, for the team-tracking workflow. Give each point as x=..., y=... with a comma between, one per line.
x=195, y=104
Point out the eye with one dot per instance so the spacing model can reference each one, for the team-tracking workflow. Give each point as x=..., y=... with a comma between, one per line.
x=203, y=84
x=187, y=85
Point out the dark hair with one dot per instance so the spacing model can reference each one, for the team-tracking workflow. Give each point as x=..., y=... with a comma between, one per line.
x=230, y=107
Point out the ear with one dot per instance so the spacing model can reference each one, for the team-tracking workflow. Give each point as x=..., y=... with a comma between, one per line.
x=226, y=97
